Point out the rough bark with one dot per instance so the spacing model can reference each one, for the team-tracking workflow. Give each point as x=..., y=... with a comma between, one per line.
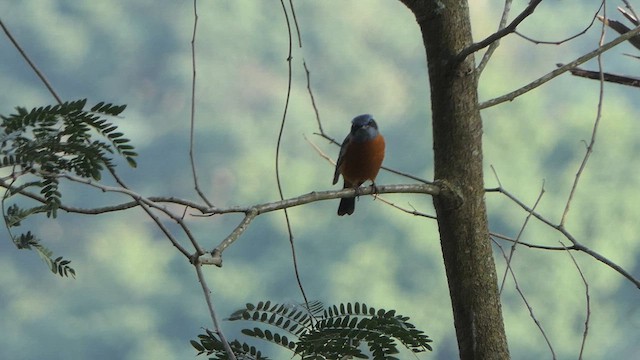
x=457, y=144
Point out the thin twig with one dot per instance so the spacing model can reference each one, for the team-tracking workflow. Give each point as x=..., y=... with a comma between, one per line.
x=278, y=146
x=106, y=209
x=631, y=10
x=413, y=212
x=494, y=45
x=313, y=100
x=524, y=299
x=588, y=303
x=164, y=229
x=500, y=33
x=608, y=77
x=193, y=107
x=212, y=313
x=559, y=71
x=519, y=236
x=559, y=42
x=177, y=219
x=295, y=22
x=594, y=132
x=576, y=244
x=529, y=245
x=31, y=64
x=141, y=200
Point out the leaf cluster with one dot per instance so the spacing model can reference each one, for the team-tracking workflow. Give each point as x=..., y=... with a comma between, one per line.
x=58, y=265
x=57, y=138
x=45, y=142
x=315, y=332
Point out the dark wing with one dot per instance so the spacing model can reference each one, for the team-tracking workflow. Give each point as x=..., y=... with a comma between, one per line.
x=343, y=149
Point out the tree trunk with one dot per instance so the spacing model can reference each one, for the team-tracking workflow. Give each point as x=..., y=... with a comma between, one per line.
x=457, y=145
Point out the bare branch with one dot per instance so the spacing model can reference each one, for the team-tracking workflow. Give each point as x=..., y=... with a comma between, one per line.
x=212, y=313
x=295, y=22
x=279, y=144
x=164, y=229
x=588, y=304
x=193, y=107
x=526, y=302
x=576, y=244
x=31, y=64
x=592, y=142
x=500, y=33
x=534, y=84
x=253, y=211
x=529, y=245
x=313, y=99
x=430, y=189
x=235, y=234
x=517, y=240
x=558, y=42
x=608, y=77
x=413, y=210
x=146, y=204
x=621, y=28
x=631, y=14
x=494, y=45
x=110, y=208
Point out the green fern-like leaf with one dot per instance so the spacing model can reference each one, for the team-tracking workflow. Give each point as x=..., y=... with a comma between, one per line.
x=51, y=195
x=61, y=267
x=58, y=266
x=108, y=109
x=270, y=336
x=339, y=331
x=49, y=141
x=64, y=137
x=25, y=241
x=292, y=319
x=15, y=214
x=209, y=344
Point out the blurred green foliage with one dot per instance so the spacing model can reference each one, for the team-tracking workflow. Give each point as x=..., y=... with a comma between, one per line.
x=135, y=298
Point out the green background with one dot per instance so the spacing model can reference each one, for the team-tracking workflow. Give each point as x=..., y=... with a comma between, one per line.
x=135, y=297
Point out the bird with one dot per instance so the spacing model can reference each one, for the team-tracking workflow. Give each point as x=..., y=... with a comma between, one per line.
x=360, y=158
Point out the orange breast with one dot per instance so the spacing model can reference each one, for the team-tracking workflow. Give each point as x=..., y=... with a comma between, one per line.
x=362, y=161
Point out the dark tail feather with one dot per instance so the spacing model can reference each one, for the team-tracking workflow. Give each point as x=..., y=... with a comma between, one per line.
x=347, y=206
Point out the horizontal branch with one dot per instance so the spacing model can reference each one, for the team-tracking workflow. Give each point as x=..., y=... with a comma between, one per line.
x=429, y=189
x=613, y=78
x=252, y=212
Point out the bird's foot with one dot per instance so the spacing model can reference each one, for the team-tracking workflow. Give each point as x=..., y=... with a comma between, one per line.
x=375, y=189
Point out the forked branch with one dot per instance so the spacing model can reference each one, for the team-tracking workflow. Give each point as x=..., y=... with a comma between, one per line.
x=500, y=33
x=536, y=83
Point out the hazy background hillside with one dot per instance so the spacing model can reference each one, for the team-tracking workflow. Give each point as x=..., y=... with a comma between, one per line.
x=136, y=298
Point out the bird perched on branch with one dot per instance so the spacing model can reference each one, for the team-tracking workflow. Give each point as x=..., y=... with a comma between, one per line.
x=360, y=158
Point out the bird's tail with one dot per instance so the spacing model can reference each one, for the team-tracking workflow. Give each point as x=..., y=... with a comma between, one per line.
x=347, y=206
